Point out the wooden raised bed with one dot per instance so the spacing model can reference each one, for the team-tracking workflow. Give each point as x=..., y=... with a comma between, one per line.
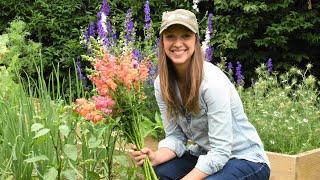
x=303, y=166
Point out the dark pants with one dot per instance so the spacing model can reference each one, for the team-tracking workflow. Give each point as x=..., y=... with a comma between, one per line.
x=235, y=169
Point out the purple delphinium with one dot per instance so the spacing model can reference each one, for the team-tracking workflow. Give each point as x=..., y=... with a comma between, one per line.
x=91, y=29
x=86, y=37
x=102, y=29
x=239, y=74
x=79, y=70
x=229, y=66
x=269, y=65
x=105, y=7
x=147, y=18
x=209, y=49
x=210, y=28
x=129, y=26
x=209, y=53
x=106, y=10
x=147, y=21
x=136, y=54
x=153, y=71
x=156, y=46
x=109, y=27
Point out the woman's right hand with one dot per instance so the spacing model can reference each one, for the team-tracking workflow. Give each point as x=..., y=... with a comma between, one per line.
x=139, y=156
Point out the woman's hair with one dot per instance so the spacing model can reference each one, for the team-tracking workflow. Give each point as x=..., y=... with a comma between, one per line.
x=193, y=78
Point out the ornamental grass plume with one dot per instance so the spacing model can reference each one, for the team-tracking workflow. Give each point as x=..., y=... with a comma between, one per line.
x=119, y=83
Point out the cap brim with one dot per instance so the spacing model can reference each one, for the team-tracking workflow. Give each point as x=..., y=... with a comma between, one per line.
x=177, y=22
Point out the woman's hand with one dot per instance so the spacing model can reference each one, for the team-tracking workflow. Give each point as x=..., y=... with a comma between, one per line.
x=139, y=156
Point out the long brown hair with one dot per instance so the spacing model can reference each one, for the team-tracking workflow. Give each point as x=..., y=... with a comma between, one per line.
x=193, y=78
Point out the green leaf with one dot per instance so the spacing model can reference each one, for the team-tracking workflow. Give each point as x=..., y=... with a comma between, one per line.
x=36, y=127
x=93, y=175
x=64, y=130
x=42, y=132
x=93, y=142
x=71, y=151
x=36, y=158
x=70, y=174
x=51, y=174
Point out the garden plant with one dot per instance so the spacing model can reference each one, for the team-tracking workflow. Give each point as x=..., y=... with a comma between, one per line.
x=44, y=69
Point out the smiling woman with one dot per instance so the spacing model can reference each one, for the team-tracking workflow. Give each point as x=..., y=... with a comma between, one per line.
x=198, y=103
x=178, y=44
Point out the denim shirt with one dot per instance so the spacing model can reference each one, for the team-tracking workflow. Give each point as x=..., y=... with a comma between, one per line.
x=219, y=132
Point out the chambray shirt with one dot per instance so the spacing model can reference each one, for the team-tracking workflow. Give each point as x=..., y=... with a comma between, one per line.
x=219, y=132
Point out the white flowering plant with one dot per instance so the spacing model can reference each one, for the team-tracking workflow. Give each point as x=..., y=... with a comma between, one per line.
x=285, y=109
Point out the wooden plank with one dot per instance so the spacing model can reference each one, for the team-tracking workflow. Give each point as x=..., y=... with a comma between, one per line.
x=283, y=166
x=308, y=165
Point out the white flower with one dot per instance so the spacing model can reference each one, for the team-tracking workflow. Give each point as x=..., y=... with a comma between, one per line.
x=206, y=41
x=305, y=120
x=195, y=5
x=272, y=142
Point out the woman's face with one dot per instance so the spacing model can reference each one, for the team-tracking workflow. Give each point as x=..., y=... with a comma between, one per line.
x=179, y=44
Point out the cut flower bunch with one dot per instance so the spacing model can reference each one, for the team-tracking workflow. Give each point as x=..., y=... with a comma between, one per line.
x=119, y=82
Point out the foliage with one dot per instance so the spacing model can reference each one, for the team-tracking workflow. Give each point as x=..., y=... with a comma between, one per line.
x=42, y=137
x=252, y=31
x=16, y=52
x=285, y=109
x=245, y=31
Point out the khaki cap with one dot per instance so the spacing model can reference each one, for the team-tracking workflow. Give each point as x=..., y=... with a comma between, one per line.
x=179, y=16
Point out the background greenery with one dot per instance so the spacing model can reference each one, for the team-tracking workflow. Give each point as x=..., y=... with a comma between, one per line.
x=249, y=31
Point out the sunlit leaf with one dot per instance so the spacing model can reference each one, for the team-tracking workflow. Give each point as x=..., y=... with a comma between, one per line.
x=71, y=151
x=51, y=174
x=42, y=132
x=36, y=158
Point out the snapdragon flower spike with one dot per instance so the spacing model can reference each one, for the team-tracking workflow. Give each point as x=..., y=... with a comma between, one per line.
x=239, y=75
x=104, y=104
x=86, y=109
x=269, y=65
x=129, y=27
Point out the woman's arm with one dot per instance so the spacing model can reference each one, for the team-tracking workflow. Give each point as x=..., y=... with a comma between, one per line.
x=158, y=157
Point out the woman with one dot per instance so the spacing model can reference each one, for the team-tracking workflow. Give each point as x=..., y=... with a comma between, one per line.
x=200, y=107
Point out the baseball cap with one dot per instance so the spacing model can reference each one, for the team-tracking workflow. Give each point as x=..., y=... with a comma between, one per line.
x=179, y=16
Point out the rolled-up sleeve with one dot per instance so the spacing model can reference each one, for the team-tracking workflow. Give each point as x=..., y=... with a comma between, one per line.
x=220, y=133
x=175, y=139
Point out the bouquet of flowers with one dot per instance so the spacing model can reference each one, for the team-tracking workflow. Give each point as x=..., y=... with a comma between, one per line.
x=119, y=83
